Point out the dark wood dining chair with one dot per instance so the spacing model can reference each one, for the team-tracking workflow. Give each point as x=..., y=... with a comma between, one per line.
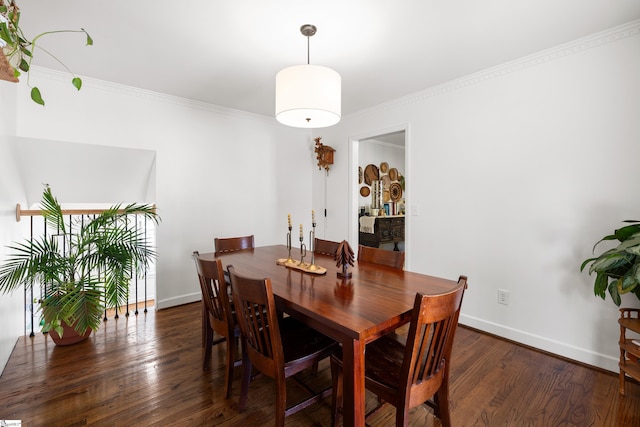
x=392, y=259
x=325, y=247
x=230, y=244
x=408, y=375
x=218, y=316
x=277, y=346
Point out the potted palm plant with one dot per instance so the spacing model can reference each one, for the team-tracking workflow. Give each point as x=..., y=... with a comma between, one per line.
x=617, y=269
x=82, y=268
x=16, y=50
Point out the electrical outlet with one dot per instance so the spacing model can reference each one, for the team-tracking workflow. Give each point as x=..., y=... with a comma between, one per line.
x=503, y=297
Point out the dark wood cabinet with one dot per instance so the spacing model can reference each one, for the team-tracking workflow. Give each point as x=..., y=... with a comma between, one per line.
x=387, y=229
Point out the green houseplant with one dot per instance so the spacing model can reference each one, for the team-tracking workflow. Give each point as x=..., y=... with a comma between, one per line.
x=17, y=50
x=82, y=268
x=617, y=269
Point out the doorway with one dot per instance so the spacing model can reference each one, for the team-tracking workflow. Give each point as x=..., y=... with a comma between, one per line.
x=380, y=160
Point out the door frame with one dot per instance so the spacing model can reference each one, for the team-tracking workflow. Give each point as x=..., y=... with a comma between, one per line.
x=354, y=188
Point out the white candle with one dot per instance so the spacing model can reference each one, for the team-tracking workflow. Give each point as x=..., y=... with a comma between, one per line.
x=301, y=231
x=289, y=220
x=313, y=216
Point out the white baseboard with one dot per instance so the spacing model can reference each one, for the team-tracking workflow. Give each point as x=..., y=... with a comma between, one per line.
x=179, y=300
x=582, y=355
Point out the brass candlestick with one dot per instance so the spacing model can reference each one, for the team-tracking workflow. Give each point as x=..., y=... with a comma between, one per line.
x=289, y=260
x=303, y=251
x=312, y=243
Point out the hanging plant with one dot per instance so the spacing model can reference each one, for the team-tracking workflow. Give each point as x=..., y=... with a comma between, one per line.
x=17, y=49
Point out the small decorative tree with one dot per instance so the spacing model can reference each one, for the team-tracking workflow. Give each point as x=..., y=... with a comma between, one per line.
x=344, y=258
x=85, y=267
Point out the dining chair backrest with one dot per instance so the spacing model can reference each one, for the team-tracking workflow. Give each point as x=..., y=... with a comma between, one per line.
x=427, y=357
x=255, y=308
x=408, y=373
x=325, y=247
x=217, y=314
x=215, y=294
x=230, y=244
x=393, y=259
x=277, y=346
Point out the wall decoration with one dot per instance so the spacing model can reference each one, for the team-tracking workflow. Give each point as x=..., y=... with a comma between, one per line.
x=393, y=174
x=396, y=191
x=371, y=174
x=324, y=154
x=386, y=181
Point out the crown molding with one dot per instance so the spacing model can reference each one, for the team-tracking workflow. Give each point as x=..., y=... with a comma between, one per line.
x=611, y=35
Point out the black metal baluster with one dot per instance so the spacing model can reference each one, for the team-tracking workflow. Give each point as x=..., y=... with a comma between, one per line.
x=145, y=269
x=32, y=334
x=137, y=231
x=43, y=285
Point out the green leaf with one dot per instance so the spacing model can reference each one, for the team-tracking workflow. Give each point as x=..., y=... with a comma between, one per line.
x=24, y=65
x=624, y=233
x=613, y=291
x=629, y=241
x=585, y=262
x=609, y=261
x=36, y=97
x=5, y=34
x=77, y=82
x=89, y=39
x=627, y=283
x=600, y=285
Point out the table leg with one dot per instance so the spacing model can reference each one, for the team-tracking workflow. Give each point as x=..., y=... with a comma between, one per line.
x=353, y=383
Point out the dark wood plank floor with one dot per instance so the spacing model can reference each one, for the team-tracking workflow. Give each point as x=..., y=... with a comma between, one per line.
x=147, y=370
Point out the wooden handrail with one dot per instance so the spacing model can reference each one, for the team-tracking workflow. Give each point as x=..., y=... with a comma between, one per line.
x=37, y=212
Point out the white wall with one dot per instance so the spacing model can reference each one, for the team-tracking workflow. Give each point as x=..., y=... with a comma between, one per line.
x=11, y=306
x=515, y=173
x=219, y=172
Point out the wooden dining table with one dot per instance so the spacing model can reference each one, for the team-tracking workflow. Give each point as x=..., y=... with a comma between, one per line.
x=374, y=301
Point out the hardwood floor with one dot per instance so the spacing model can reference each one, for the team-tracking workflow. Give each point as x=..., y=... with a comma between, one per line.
x=147, y=370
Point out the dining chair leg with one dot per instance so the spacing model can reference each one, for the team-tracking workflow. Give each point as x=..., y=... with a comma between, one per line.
x=441, y=400
x=281, y=401
x=205, y=323
x=207, y=334
x=246, y=379
x=336, y=395
x=228, y=374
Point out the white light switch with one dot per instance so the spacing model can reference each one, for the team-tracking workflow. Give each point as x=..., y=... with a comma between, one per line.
x=415, y=210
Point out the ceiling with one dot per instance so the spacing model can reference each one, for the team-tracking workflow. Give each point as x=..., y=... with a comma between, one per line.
x=227, y=52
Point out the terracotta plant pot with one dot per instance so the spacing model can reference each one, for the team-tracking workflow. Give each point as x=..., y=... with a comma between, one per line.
x=6, y=70
x=69, y=335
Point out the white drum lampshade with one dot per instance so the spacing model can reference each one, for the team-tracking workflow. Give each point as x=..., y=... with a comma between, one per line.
x=308, y=96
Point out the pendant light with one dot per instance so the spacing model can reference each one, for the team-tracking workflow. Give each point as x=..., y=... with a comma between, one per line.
x=308, y=96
